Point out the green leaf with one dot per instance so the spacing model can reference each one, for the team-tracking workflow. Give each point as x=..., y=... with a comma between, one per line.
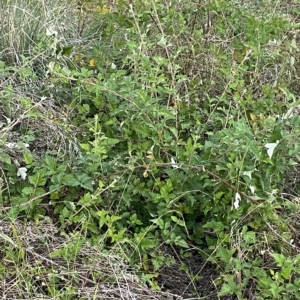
x=5, y=158
x=114, y=218
x=28, y=190
x=146, y=243
x=116, y=237
x=70, y=205
x=85, y=181
x=38, y=179
x=181, y=242
x=287, y=271
x=16, y=201
x=109, y=142
x=28, y=158
x=65, y=212
x=134, y=220
x=225, y=254
x=102, y=217
x=227, y=289
x=85, y=147
x=279, y=258
x=7, y=239
x=86, y=200
x=178, y=221
x=166, y=189
x=159, y=222
x=66, y=51
x=250, y=237
x=51, y=162
x=70, y=180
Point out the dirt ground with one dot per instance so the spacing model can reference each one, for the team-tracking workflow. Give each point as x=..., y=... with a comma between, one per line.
x=197, y=283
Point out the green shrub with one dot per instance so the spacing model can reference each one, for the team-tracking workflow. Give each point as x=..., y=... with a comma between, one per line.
x=184, y=133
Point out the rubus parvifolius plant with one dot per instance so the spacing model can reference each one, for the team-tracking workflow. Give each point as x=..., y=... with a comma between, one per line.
x=185, y=132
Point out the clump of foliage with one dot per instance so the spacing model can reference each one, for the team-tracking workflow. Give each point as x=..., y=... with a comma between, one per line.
x=177, y=125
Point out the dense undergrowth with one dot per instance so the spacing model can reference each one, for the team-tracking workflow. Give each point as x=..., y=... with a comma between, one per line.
x=136, y=125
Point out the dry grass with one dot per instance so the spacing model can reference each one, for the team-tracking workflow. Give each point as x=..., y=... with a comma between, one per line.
x=31, y=270
x=24, y=23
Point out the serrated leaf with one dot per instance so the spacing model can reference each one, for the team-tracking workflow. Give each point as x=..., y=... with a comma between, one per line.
x=115, y=218
x=51, y=162
x=54, y=194
x=85, y=181
x=159, y=222
x=250, y=237
x=181, y=243
x=28, y=158
x=279, y=258
x=38, y=179
x=109, y=142
x=69, y=179
x=27, y=190
x=178, y=221
x=5, y=158
x=65, y=212
x=287, y=271
x=70, y=205
x=174, y=131
x=86, y=147
x=226, y=290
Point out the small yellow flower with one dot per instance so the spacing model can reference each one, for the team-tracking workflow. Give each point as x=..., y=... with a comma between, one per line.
x=103, y=10
x=92, y=63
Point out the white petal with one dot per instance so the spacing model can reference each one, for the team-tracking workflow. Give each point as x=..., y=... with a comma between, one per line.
x=252, y=189
x=237, y=201
x=174, y=163
x=248, y=173
x=22, y=172
x=271, y=147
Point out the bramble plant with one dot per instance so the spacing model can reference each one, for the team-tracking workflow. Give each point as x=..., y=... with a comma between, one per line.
x=146, y=126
